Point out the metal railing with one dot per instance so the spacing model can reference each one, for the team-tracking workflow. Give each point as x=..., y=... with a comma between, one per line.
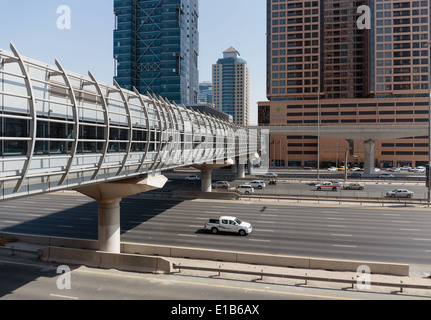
x=353, y=281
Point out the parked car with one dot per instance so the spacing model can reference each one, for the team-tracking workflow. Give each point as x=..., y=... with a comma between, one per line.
x=245, y=189
x=193, y=178
x=259, y=184
x=385, y=176
x=228, y=224
x=353, y=186
x=400, y=193
x=221, y=185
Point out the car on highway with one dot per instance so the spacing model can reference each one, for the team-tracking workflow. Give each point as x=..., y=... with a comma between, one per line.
x=228, y=224
x=221, y=185
x=245, y=189
x=385, y=176
x=193, y=178
x=257, y=184
x=353, y=186
x=270, y=175
x=417, y=169
x=329, y=186
x=400, y=193
x=332, y=169
x=355, y=175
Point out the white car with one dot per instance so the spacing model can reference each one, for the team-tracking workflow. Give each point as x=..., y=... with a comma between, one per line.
x=418, y=169
x=259, y=184
x=245, y=189
x=228, y=224
x=193, y=178
x=332, y=169
x=400, y=193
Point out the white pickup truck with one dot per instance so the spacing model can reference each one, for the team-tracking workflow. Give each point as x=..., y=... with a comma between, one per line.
x=228, y=224
x=329, y=186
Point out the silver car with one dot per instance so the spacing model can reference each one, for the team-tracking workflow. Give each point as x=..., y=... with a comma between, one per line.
x=257, y=184
x=400, y=193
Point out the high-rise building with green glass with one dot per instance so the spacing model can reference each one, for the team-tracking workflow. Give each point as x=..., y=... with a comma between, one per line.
x=156, y=47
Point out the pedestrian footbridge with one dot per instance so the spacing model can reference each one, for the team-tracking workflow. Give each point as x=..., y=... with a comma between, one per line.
x=60, y=130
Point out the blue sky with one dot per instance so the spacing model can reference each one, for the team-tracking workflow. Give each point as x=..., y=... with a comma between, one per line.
x=32, y=27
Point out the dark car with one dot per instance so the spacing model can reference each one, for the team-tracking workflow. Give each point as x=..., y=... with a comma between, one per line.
x=355, y=175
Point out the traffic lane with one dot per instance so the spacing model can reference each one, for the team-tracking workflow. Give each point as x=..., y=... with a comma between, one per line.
x=297, y=230
x=376, y=190
x=321, y=231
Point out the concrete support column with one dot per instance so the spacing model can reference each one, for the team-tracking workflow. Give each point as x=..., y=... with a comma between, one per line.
x=108, y=196
x=234, y=168
x=241, y=171
x=109, y=225
x=206, y=180
x=250, y=168
x=206, y=172
x=369, y=157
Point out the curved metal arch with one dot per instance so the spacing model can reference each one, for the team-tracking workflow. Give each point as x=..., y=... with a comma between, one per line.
x=223, y=134
x=190, y=152
x=107, y=125
x=174, y=121
x=33, y=122
x=158, y=110
x=129, y=133
x=170, y=125
x=144, y=156
x=183, y=133
x=73, y=100
x=204, y=120
x=194, y=113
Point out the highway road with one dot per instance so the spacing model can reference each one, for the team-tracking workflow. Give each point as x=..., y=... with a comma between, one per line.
x=397, y=234
x=27, y=279
x=294, y=184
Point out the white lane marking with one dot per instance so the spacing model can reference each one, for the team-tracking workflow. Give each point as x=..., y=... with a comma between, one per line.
x=343, y=246
x=259, y=240
x=341, y=235
x=187, y=235
x=61, y=296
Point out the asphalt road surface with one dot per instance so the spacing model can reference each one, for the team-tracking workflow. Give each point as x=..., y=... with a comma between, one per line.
x=27, y=279
x=398, y=234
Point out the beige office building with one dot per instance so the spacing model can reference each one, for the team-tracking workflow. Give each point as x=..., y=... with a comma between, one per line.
x=231, y=86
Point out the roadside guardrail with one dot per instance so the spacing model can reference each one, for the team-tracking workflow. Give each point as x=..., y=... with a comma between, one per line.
x=353, y=281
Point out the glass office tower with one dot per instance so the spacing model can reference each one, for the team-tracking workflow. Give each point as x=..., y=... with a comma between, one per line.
x=156, y=47
x=231, y=87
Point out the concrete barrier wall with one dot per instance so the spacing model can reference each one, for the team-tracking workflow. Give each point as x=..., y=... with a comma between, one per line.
x=74, y=253
x=269, y=260
x=104, y=260
x=206, y=195
x=52, y=241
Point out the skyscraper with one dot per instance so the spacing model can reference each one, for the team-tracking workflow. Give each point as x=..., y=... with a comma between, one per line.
x=231, y=94
x=156, y=47
x=324, y=69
